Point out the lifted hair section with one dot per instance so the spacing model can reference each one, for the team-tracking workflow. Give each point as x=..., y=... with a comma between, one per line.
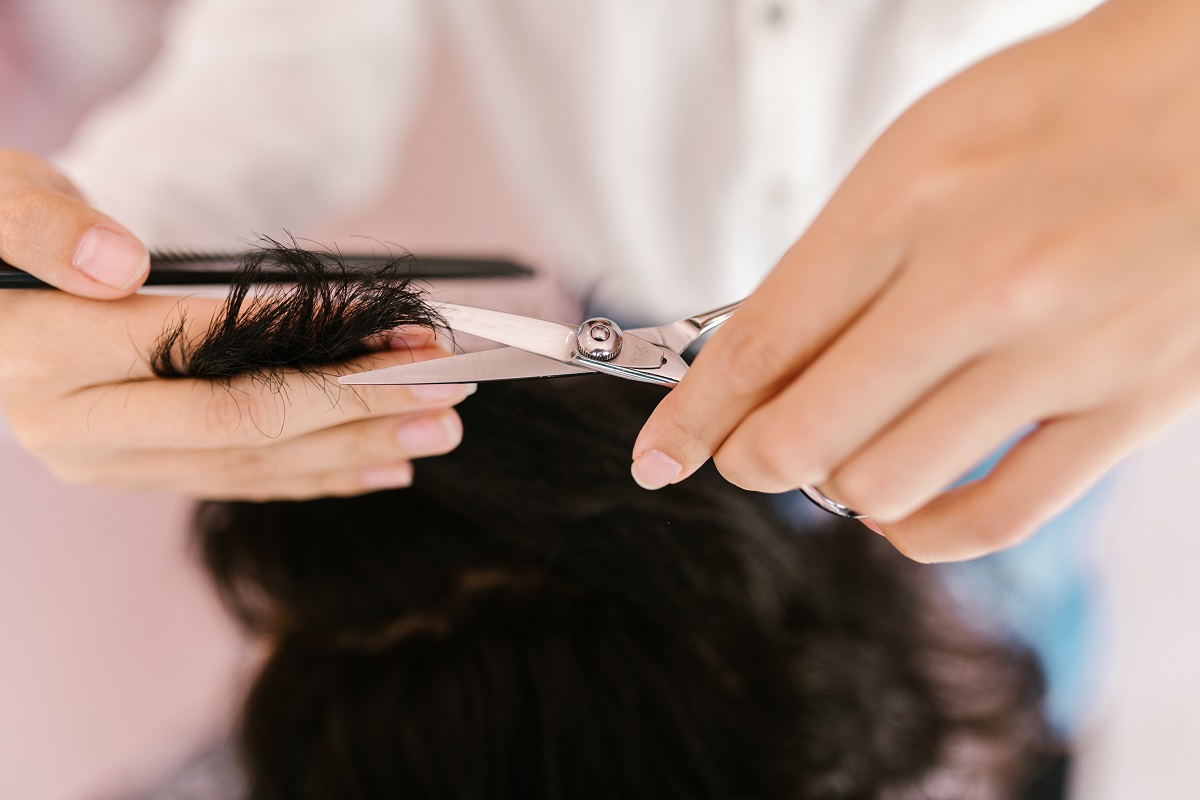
x=328, y=312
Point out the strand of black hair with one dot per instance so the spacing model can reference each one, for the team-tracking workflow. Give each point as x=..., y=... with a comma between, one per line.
x=328, y=311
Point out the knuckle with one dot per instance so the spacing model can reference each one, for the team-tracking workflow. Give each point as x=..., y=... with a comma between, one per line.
x=244, y=412
x=762, y=467
x=751, y=358
x=776, y=450
x=1019, y=298
x=1022, y=292
x=222, y=414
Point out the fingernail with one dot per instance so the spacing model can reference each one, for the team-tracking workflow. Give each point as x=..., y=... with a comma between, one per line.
x=872, y=525
x=426, y=434
x=111, y=258
x=409, y=338
x=392, y=477
x=654, y=469
x=434, y=392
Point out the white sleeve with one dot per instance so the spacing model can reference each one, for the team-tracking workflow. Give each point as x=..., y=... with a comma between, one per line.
x=257, y=115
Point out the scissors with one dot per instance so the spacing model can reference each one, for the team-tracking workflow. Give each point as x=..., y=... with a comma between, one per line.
x=537, y=348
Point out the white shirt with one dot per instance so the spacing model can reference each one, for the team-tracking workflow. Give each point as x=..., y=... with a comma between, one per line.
x=670, y=150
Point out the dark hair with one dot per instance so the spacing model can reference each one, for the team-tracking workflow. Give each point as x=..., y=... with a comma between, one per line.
x=328, y=311
x=525, y=622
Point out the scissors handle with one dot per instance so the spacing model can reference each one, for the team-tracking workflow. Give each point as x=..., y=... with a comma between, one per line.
x=712, y=319
x=679, y=336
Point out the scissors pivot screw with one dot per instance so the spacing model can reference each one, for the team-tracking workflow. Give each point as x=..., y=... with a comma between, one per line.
x=598, y=339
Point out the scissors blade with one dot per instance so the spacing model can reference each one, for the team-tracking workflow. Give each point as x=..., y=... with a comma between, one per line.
x=507, y=363
x=539, y=341
x=550, y=339
x=644, y=361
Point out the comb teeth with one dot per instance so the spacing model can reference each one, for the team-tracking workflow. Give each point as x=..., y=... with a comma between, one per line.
x=173, y=256
x=196, y=262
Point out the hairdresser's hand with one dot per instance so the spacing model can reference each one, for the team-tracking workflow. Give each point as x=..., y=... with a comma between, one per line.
x=77, y=391
x=1022, y=247
x=48, y=230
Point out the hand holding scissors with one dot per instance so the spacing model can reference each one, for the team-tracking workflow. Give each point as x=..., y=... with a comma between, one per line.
x=541, y=349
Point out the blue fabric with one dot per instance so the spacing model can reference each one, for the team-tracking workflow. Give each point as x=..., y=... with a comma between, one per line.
x=1042, y=593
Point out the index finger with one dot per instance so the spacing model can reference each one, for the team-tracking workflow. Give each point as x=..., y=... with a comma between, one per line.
x=765, y=344
x=47, y=230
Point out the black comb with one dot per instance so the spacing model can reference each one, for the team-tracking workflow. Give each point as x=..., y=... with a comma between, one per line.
x=184, y=268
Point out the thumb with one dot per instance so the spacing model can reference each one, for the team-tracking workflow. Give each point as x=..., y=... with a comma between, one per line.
x=48, y=231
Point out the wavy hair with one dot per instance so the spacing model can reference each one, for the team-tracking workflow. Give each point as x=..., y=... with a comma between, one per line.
x=524, y=622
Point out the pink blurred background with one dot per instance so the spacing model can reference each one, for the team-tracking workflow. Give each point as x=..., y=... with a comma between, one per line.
x=116, y=662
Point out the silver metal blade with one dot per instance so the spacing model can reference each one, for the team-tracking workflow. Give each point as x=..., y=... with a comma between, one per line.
x=638, y=359
x=507, y=363
x=537, y=349
x=550, y=339
x=664, y=367
x=679, y=336
x=674, y=367
x=676, y=337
